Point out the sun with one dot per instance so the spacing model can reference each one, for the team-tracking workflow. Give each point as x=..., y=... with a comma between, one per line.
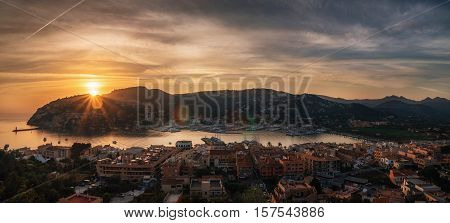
x=93, y=88
x=93, y=92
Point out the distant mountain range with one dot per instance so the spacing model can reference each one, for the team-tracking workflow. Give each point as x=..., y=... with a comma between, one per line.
x=125, y=108
x=428, y=109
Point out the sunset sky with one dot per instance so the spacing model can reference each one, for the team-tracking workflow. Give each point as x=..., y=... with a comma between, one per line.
x=351, y=49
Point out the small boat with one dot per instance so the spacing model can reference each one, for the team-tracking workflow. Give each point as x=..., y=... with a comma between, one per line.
x=114, y=142
x=172, y=130
x=45, y=139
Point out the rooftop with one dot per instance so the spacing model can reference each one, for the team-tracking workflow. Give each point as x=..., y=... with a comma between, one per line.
x=173, y=198
x=81, y=198
x=213, y=141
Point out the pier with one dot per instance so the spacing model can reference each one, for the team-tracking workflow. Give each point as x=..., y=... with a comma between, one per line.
x=24, y=130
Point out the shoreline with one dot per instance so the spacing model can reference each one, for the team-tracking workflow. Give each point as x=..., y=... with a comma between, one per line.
x=152, y=136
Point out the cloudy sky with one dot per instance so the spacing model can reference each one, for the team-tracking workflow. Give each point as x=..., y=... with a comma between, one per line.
x=350, y=49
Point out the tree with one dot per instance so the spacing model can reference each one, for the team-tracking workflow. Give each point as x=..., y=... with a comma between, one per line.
x=253, y=195
x=316, y=183
x=13, y=184
x=51, y=195
x=107, y=197
x=356, y=198
x=430, y=173
x=77, y=148
x=21, y=180
x=202, y=172
x=445, y=149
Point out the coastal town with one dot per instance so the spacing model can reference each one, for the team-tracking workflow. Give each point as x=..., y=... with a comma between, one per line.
x=248, y=171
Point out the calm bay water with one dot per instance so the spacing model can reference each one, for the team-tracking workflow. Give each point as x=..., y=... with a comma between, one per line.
x=35, y=138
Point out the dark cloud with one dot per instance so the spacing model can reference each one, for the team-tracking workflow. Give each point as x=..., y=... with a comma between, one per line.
x=224, y=36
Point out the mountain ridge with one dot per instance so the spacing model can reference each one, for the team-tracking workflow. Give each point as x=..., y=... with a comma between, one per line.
x=118, y=109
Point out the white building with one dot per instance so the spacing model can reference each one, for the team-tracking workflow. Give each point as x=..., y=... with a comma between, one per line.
x=183, y=144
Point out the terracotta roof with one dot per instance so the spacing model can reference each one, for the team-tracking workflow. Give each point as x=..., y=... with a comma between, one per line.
x=81, y=198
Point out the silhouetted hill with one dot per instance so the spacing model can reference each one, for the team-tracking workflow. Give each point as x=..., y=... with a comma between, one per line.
x=125, y=108
x=405, y=110
x=427, y=109
x=372, y=102
x=441, y=105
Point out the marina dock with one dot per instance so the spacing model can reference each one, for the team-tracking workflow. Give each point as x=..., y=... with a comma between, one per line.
x=24, y=130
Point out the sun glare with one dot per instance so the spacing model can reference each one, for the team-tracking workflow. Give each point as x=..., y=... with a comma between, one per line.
x=93, y=88
x=93, y=92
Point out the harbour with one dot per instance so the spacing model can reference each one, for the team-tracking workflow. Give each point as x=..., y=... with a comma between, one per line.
x=38, y=137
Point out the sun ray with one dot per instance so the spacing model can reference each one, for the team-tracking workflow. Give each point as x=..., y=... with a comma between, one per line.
x=93, y=87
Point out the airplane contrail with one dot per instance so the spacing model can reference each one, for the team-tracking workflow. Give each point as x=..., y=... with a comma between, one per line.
x=51, y=21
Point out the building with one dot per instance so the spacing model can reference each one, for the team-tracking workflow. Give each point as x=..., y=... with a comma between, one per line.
x=421, y=156
x=133, y=170
x=402, y=163
x=224, y=159
x=173, y=198
x=386, y=162
x=267, y=160
x=81, y=198
x=345, y=194
x=380, y=153
x=26, y=152
x=423, y=161
x=58, y=153
x=172, y=179
x=294, y=191
x=269, y=167
x=99, y=152
x=355, y=180
x=321, y=163
x=398, y=176
x=171, y=168
x=350, y=156
x=244, y=165
x=209, y=188
x=134, y=163
x=174, y=185
x=445, y=159
x=183, y=144
x=415, y=187
x=436, y=197
x=388, y=196
x=219, y=155
x=293, y=165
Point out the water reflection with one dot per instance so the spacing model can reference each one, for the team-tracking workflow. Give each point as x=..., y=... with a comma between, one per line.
x=36, y=137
